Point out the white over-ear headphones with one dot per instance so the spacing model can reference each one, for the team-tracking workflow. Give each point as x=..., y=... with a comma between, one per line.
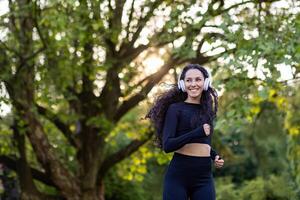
x=207, y=82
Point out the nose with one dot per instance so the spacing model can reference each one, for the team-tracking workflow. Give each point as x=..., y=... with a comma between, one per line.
x=193, y=82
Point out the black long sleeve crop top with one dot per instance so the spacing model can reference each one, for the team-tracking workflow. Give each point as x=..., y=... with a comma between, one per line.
x=184, y=124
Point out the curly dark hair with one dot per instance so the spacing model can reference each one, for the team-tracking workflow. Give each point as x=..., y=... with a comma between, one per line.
x=156, y=114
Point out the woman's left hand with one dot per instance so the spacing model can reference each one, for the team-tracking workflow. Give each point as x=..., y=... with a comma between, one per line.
x=218, y=163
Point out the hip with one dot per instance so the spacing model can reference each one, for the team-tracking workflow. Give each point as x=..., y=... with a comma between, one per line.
x=185, y=167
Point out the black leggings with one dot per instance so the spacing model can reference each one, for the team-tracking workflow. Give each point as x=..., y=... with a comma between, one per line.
x=189, y=177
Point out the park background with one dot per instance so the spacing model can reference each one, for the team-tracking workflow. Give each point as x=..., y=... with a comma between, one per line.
x=77, y=78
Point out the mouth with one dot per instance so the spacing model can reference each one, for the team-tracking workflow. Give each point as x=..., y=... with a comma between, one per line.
x=194, y=90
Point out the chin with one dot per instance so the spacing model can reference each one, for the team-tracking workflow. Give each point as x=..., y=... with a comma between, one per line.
x=194, y=95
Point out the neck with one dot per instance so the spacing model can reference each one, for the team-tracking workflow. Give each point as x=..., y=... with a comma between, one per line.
x=193, y=100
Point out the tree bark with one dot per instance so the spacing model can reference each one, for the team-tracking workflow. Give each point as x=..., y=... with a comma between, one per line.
x=28, y=189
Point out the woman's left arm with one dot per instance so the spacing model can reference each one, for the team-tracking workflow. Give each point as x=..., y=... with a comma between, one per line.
x=218, y=161
x=213, y=153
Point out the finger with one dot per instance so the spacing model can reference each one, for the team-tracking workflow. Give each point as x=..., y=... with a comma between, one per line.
x=219, y=163
x=206, y=126
x=217, y=158
x=206, y=132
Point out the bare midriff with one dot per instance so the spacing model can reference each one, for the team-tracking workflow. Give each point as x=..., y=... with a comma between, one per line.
x=195, y=149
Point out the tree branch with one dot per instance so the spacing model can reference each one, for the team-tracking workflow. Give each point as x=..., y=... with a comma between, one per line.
x=67, y=183
x=115, y=23
x=220, y=11
x=122, y=154
x=34, y=54
x=142, y=22
x=204, y=59
x=10, y=49
x=5, y=67
x=59, y=124
x=153, y=79
x=11, y=163
x=36, y=24
x=205, y=37
x=12, y=19
x=129, y=20
x=111, y=91
x=131, y=53
x=119, y=10
x=23, y=170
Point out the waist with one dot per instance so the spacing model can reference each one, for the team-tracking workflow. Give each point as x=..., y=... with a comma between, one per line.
x=193, y=167
x=195, y=149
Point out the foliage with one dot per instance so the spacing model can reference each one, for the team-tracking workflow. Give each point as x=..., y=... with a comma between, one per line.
x=122, y=189
x=277, y=187
x=149, y=189
x=8, y=184
x=74, y=73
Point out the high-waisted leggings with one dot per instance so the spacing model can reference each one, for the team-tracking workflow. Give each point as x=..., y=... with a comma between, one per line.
x=189, y=178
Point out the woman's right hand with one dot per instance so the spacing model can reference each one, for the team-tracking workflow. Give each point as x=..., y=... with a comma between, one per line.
x=206, y=128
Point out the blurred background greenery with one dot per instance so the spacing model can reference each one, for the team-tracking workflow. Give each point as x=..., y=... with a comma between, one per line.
x=78, y=76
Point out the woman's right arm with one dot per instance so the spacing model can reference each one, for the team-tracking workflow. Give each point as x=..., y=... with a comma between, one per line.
x=172, y=143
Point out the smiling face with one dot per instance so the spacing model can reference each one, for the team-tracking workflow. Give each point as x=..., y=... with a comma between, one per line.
x=194, y=82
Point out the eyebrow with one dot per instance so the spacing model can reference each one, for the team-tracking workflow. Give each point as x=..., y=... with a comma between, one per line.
x=192, y=77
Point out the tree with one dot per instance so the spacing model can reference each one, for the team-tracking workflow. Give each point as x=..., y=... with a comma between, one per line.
x=74, y=66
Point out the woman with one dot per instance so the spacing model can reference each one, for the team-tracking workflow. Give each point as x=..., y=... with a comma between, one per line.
x=183, y=118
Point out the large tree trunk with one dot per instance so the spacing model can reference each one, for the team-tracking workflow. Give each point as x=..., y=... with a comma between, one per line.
x=97, y=193
x=28, y=189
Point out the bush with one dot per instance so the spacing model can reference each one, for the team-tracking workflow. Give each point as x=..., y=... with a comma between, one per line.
x=273, y=187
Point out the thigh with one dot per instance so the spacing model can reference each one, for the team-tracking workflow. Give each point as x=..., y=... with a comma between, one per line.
x=174, y=190
x=174, y=187
x=175, y=180
x=205, y=192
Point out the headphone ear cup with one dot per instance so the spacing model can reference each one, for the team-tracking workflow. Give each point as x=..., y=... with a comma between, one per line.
x=206, y=84
x=182, y=87
x=178, y=85
x=178, y=82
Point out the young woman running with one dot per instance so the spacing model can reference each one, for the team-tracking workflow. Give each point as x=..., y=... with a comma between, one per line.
x=183, y=118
